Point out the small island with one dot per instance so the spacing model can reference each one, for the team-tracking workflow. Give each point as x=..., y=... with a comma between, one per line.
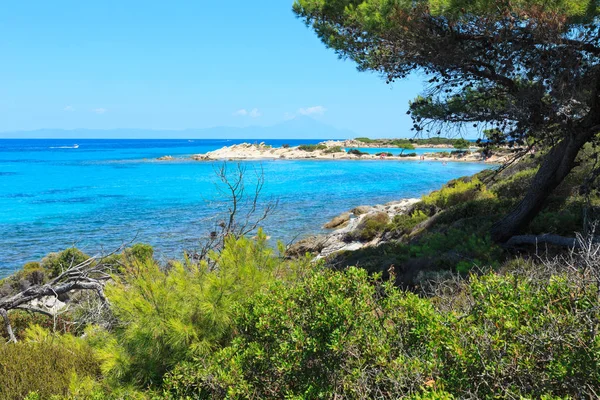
x=462, y=150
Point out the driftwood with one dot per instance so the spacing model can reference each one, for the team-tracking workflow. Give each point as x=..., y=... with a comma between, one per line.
x=552, y=239
x=90, y=275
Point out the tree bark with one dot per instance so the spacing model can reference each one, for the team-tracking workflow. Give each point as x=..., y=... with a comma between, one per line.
x=11, y=335
x=556, y=166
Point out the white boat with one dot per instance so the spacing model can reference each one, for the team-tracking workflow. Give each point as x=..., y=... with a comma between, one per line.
x=75, y=146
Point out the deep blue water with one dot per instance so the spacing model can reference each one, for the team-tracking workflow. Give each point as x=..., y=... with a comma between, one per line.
x=109, y=191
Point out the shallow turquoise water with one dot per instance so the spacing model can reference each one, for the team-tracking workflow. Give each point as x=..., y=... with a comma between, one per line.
x=395, y=151
x=109, y=191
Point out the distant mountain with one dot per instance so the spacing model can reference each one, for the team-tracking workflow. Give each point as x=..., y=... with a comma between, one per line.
x=297, y=128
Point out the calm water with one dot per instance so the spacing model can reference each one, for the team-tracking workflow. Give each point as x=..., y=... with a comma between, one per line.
x=109, y=191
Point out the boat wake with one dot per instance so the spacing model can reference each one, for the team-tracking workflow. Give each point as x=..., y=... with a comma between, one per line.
x=75, y=146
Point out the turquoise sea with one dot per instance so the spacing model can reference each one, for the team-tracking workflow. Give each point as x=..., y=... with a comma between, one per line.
x=106, y=192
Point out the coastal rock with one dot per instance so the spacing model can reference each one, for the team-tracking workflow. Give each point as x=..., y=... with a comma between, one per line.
x=360, y=210
x=166, y=158
x=338, y=222
x=311, y=244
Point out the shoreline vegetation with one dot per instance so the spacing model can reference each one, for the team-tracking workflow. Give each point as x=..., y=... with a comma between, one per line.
x=460, y=150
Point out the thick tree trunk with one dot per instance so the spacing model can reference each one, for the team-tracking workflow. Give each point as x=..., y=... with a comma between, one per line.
x=556, y=166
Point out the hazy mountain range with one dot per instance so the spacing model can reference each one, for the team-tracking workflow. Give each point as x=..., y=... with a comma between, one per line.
x=297, y=128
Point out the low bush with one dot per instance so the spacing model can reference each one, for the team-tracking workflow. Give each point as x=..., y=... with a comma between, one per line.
x=365, y=140
x=285, y=146
x=384, y=154
x=44, y=364
x=370, y=227
x=170, y=316
x=334, y=149
x=357, y=152
x=331, y=333
x=21, y=320
x=56, y=263
x=404, y=223
x=527, y=333
x=457, y=249
x=407, y=155
x=515, y=186
x=457, y=192
x=312, y=147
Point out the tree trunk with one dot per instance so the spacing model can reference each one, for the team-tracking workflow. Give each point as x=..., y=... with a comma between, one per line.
x=7, y=326
x=556, y=166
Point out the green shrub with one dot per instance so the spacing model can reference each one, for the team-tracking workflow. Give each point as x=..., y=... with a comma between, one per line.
x=523, y=334
x=139, y=252
x=22, y=320
x=357, y=152
x=457, y=192
x=312, y=147
x=370, y=227
x=564, y=222
x=44, y=365
x=457, y=249
x=365, y=140
x=169, y=316
x=407, y=155
x=385, y=154
x=334, y=149
x=285, y=146
x=335, y=332
x=404, y=223
x=56, y=263
x=515, y=186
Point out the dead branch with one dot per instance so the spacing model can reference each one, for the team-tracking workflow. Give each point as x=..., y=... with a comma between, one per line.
x=244, y=209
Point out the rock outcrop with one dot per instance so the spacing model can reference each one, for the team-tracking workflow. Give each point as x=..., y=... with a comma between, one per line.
x=342, y=238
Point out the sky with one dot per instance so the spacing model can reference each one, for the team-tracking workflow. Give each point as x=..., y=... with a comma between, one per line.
x=69, y=64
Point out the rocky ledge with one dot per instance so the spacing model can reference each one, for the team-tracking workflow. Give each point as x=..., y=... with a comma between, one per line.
x=330, y=150
x=347, y=228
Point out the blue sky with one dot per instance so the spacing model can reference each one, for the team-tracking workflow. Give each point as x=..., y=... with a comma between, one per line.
x=181, y=64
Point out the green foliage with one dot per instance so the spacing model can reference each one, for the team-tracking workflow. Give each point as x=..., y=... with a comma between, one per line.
x=312, y=147
x=370, y=227
x=462, y=144
x=523, y=334
x=365, y=140
x=407, y=155
x=403, y=144
x=335, y=332
x=562, y=222
x=285, y=146
x=22, y=320
x=457, y=249
x=515, y=186
x=139, y=252
x=404, y=223
x=44, y=364
x=357, y=152
x=385, y=154
x=56, y=263
x=457, y=192
x=169, y=316
x=334, y=149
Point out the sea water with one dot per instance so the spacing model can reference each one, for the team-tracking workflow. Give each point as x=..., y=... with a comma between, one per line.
x=98, y=194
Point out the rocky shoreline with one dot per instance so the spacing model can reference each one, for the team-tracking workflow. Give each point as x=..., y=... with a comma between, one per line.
x=331, y=150
x=345, y=228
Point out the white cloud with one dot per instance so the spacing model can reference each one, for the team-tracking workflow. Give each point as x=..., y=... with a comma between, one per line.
x=254, y=113
x=316, y=110
x=69, y=108
x=99, y=110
